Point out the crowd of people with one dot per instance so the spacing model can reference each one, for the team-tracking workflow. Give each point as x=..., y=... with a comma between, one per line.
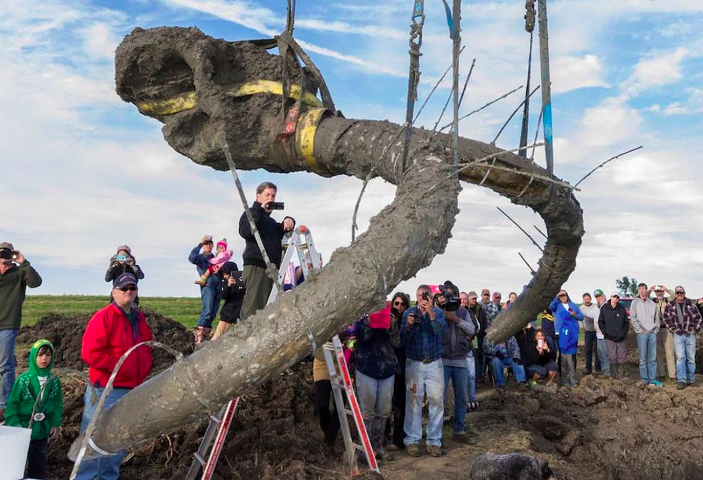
x=405, y=356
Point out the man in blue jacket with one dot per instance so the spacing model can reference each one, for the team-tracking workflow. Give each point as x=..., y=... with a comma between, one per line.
x=421, y=332
x=566, y=315
x=210, y=293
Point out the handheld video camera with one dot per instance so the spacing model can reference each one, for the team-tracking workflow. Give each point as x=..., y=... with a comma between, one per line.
x=275, y=205
x=6, y=254
x=451, y=301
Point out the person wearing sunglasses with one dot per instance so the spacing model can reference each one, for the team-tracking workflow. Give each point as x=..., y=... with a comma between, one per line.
x=399, y=303
x=683, y=318
x=110, y=333
x=16, y=274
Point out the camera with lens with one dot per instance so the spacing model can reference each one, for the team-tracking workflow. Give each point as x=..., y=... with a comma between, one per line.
x=7, y=254
x=275, y=205
x=451, y=298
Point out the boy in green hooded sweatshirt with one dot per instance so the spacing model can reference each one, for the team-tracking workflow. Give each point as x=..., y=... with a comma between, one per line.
x=37, y=394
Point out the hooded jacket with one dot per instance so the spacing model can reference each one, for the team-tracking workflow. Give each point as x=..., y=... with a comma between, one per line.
x=560, y=313
x=107, y=337
x=569, y=336
x=13, y=285
x=613, y=322
x=644, y=315
x=24, y=396
x=375, y=354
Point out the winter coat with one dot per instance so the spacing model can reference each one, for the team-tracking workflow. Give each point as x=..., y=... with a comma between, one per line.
x=271, y=235
x=613, y=322
x=691, y=318
x=109, y=334
x=533, y=355
x=118, y=268
x=569, y=336
x=644, y=315
x=523, y=338
x=13, y=285
x=560, y=313
x=374, y=355
x=548, y=325
x=25, y=392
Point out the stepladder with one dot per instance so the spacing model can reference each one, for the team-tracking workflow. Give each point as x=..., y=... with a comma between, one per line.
x=216, y=431
x=299, y=246
x=348, y=406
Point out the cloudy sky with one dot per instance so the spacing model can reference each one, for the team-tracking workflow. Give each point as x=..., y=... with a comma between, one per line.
x=83, y=172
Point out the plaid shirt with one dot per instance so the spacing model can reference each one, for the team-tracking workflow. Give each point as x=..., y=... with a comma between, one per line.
x=691, y=318
x=510, y=348
x=423, y=340
x=492, y=310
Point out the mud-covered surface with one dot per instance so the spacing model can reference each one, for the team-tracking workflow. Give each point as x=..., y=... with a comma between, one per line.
x=603, y=429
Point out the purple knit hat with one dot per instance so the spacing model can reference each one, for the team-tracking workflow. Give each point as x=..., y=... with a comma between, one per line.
x=125, y=248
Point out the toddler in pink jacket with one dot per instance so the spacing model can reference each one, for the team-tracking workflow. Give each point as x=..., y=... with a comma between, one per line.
x=223, y=255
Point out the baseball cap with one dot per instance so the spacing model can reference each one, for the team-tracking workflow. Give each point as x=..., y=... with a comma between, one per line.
x=598, y=292
x=485, y=291
x=124, y=280
x=497, y=295
x=614, y=294
x=679, y=289
x=6, y=246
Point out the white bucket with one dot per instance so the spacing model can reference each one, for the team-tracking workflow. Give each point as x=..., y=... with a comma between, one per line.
x=14, y=443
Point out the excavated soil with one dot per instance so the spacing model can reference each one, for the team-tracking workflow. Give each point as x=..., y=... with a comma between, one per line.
x=603, y=429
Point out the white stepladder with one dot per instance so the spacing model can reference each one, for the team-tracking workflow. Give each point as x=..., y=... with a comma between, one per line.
x=220, y=423
x=342, y=386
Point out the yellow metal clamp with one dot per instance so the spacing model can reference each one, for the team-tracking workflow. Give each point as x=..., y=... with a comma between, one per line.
x=305, y=137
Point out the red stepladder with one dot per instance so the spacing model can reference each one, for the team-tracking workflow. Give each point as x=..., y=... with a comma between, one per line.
x=217, y=432
x=342, y=387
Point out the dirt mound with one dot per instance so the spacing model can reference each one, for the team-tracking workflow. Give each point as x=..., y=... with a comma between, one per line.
x=66, y=333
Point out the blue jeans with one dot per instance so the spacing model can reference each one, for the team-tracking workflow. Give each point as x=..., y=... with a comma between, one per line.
x=7, y=363
x=591, y=351
x=376, y=400
x=211, y=304
x=460, y=379
x=647, y=347
x=603, y=355
x=472, y=378
x=420, y=378
x=685, y=347
x=497, y=365
x=102, y=468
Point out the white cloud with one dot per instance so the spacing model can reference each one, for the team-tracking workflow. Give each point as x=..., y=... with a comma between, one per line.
x=571, y=73
x=656, y=71
x=611, y=122
x=100, y=41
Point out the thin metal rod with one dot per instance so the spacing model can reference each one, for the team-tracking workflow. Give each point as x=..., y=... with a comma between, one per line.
x=521, y=229
x=604, y=163
x=479, y=109
x=527, y=98
x=466, y=82
x=540, y=231
x=546, y=84
x=526, y=110
x=270, y=267
x=526, y=263
x=435, y=88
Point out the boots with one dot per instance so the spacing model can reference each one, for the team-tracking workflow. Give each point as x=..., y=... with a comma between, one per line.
x=203, y=278
x=614, y=371
x=377, y=435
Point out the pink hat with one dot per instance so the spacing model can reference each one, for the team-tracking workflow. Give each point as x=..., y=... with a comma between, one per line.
x=222, y=242
x=125, y=248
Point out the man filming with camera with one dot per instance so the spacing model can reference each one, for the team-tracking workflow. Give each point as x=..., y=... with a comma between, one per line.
x=456, y=349
x=16, y=274
x=421, y=332
x=256, y=279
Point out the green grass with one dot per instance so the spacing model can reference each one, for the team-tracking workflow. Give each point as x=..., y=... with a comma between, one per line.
x=184, y=310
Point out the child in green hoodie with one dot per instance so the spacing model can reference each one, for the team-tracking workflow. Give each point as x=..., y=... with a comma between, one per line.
x=37, y=395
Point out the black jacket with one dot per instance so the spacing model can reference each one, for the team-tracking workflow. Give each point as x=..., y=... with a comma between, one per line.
x=613, y=322
x=233, y=297
x=533, y=355
x=271, y=235
x=374, y=355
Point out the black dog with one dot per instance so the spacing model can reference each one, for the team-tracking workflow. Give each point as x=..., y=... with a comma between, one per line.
x=513, y=466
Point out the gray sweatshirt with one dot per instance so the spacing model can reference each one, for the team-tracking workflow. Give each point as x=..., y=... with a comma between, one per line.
x=644, y=315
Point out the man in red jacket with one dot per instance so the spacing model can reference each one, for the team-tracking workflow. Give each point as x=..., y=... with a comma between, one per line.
x=110, y=333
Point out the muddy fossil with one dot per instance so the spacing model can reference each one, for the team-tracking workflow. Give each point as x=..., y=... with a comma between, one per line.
x=196, y=85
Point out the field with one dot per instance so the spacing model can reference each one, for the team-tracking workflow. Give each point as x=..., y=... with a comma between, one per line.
x=184, y=310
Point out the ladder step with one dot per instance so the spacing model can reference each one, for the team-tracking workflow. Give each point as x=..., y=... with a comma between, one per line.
x=215, y=419
x=349, y=412
x=199, y=459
